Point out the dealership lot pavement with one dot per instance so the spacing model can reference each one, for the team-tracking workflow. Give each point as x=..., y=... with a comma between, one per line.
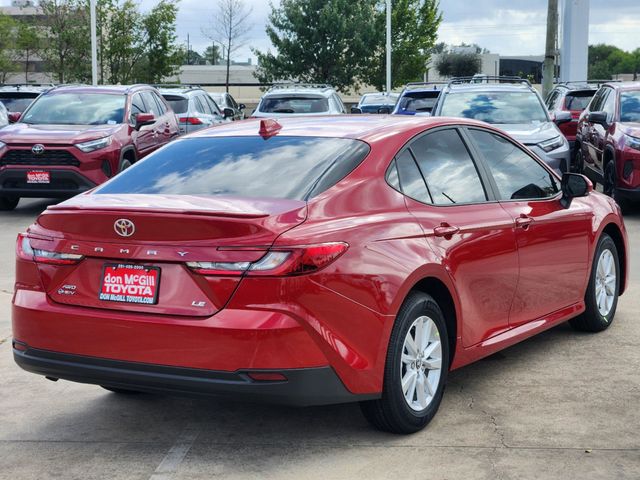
x=560, y=405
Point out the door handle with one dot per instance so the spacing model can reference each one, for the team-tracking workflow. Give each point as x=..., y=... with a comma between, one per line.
x=445, y=230
x=523, y=221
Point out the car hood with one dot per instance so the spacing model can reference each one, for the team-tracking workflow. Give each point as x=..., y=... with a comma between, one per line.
x=630, y=128
x=54, y=134
x=531, y=133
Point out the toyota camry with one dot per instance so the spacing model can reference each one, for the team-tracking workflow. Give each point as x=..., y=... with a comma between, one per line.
x=313, y=261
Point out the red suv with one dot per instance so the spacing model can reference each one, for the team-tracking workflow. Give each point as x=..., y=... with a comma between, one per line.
x=316, y=261
x=73, y=138
x=608, y=140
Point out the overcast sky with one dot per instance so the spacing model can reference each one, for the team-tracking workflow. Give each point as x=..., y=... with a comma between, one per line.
x=507, y=27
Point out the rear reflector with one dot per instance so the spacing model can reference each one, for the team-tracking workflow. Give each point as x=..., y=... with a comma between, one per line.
x=25, y=252
x=277, y=262
x=267, y=377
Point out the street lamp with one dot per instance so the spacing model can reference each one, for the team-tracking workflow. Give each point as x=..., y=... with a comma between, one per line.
x=388, y=46
x=94, y=44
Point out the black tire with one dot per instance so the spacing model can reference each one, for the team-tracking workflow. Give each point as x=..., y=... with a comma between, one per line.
x=121, y=391
x=9, y=203
x=578, y=160
x=609, y=187
x=124, y=164
x=592, y=320
x=392, y=413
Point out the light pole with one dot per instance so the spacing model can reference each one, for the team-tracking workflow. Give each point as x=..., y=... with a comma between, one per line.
x=388, y=46
x=94, y=45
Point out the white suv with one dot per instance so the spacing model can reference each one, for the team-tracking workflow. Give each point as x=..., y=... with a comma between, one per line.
x=294, y=99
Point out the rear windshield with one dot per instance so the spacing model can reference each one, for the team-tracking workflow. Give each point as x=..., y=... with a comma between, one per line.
x=379, y=100
x=71, y=108
x=495, y=107
x=295, y=168
x=177, y=103
x=578, y=100
x=17, y=102
x=418, y=101
x=300, y=104
x=630, y=107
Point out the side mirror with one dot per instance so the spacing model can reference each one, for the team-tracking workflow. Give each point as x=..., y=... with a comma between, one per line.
x=561, y=117
x=356, y=110
x=228, y=113
x=598, y=117
x=574, y=185
x=14, y=117
x=242, y=106
x=384, y=110
x=143, y=119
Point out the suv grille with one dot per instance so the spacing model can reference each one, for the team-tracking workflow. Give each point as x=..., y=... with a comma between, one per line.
x=48, y=157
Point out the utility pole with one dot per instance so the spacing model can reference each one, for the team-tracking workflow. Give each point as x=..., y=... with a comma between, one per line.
x=188, y=51
x=388, y=46
x=94, y=44
x=548, y=72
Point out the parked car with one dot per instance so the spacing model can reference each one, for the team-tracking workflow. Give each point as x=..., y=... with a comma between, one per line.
x=608, y=140
x=4, y=116
x=73, y=138
x=226, y=101
x=418, y=98
x=317, y=261
x=514, y=105
x=194, y=108
x=299, y=99
x=376, y=102
x=18, y=97
x=572, y=97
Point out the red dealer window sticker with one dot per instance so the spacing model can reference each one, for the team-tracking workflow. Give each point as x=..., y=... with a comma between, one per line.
x=38, y=176
x=127, y=283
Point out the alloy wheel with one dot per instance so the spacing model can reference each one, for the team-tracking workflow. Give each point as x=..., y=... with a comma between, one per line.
x=421, y=363
x=605, y=282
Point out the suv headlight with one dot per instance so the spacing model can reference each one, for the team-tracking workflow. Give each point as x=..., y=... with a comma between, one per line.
x=93, y=145
x=552, y=143
x=632, y=142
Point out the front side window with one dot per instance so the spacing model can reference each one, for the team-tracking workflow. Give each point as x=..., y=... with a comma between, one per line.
x=495, y=107
x=281, y=167
x=448, y=169
x=70, y=108
x=597, y=101
x=152, y=106
x=137, y=106
x=517, y=175
x=630, y=106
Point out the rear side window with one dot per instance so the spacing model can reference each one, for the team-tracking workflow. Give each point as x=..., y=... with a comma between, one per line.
x=448, y=168
x=517, y=175
x=280, y=167
x=411, y=180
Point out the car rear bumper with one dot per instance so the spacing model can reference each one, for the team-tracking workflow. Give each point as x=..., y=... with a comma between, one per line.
x=64, y=183
x=302, y=387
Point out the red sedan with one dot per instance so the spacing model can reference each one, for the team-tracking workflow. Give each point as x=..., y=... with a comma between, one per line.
x=315, y=261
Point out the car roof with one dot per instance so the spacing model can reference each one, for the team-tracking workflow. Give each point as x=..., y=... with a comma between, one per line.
x=369, y=128
x=300, y=89
x=121, y=89
x=624, y=85
x=489, y=87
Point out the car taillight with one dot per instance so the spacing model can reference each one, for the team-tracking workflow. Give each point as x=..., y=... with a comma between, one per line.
x=277, y=262
x=190, y=120
x=26, y=252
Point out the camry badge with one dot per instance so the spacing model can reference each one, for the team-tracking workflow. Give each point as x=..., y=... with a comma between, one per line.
x=124, y=227
x=37, y=149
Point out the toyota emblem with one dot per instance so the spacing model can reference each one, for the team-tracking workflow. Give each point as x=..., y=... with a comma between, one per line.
x=38, y=149
x=124, y=227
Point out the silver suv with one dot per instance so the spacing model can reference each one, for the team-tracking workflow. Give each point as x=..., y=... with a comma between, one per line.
x=512, y=104
x=295, y=99
x=193, y=107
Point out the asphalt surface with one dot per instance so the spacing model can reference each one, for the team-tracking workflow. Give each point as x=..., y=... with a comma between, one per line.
x=561, y=405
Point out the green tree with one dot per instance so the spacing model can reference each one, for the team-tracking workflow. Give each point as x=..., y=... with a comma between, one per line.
x=212, y=54
x=27, y=44
x=324, y=41
x=608, y=60
x=414, y=30
x=7, y=45
x=451, y=64
x=66, y=43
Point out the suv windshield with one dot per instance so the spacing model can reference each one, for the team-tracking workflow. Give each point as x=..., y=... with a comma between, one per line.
x=495, y=107
x=280, y=167
x=70, y=108
x=294, y=104
x=630, y=107
x=17, y=102
x=419, y=101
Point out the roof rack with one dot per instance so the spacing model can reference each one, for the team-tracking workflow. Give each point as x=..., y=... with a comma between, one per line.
x=489, y=79
x=279, y=86
x=187, y=86
x=594, y=81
